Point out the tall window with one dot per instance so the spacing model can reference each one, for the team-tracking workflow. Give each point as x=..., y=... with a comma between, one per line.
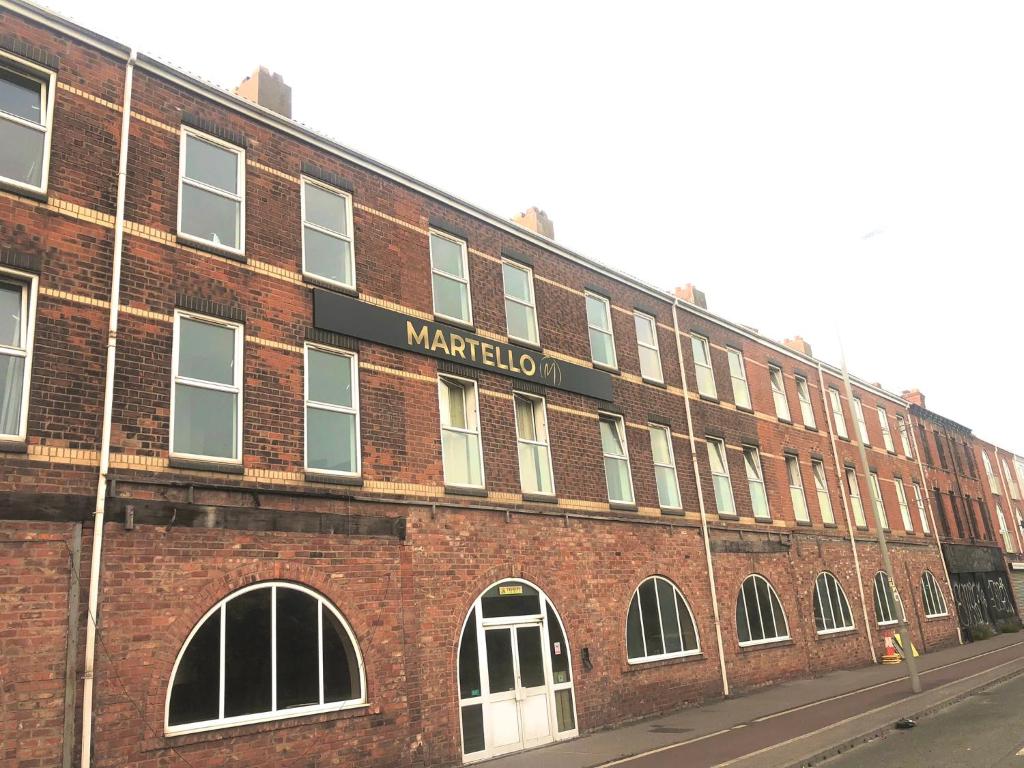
x=738, y=374
x=821, y=488
x=206, y=399
x=759, y=614
x=837, y=412
x=211, y=193
x=803, y=394
x=17, y=307
x=702, y=366
x=659, y=624
x=724, y=502
x=901, y=497
x=901, y=427
x=858, y=417
x=665, y=467
x=856, y=503
x=647, y=345
x=993, y=481
x=755, y=482
x=534, y=452
x=332, y=411
x=883, y=422
x=885, y=600
x=796, y=489
x=1010, y=481
x=779, y=393
x=924, y=444
x=934, y=602
x=876, y=498
x=599, y=325
x=969, y=455
x=922, y=514
x=1004, y=532
x=327, y=251
x=1019, y=466
x=26, y=120
x=449, y=278
x=520, y=303
x=616, y=459
x=940, y=450
x=831, y=608
x=268, y=651
x=461, y=449
x=940, y=511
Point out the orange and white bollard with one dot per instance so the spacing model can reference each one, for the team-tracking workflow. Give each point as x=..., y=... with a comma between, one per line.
x=890, y=656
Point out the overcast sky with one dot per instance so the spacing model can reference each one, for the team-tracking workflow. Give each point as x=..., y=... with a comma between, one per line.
x=816, y=169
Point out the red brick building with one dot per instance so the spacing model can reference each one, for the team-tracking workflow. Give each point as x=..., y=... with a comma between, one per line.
x=304, y=459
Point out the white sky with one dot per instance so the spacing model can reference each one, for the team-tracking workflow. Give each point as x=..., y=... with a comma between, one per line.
x=748, y=148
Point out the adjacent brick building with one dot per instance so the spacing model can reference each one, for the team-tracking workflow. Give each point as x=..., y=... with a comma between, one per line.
x=388, y=480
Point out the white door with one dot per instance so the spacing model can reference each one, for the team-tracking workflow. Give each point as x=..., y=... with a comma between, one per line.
x=519, y=704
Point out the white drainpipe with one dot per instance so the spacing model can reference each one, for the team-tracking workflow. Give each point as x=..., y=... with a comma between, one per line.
x=108, y=407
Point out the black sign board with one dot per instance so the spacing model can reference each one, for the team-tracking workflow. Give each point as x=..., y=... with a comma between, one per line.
x=352, y=317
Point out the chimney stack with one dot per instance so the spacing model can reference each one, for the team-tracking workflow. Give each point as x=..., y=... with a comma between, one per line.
x=914, y=396
x=268, y=89
x=691, y=295
x=535, y=220
x=797, y=344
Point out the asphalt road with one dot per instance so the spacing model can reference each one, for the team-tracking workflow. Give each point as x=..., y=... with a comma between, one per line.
x=985, y=730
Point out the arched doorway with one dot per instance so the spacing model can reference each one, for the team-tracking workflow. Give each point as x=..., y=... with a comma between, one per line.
x=514, y=673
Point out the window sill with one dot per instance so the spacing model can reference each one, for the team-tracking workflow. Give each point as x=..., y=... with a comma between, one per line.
x=844, y=439
x=323, y=282
x=727, y=516
x=810, y=428
x=13, y=446
x=744, y=409
x=829, y=634
x=937, y=617
x=788, y=422
x=29, y=192
x=322, y=477
x=830, y=525
x=460, y=490
x=673, y=511
x=543, y=498
x=640, y=665
x=534, y=345
x=806, y=523
x=764, y=645
x=226, y=467
x=453, y=321
x=621, y=506
x=709, y=398
x=205, y=245
x=763, y=520
x=607, y=368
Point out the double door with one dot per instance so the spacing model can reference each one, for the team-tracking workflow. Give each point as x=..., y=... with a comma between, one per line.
x=519, y=699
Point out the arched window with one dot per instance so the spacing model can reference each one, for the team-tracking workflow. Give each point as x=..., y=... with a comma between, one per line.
x=885, y=601
x=934, y=602
x=831, y=608
x=659, y=624
x=759, y=615
x=267, y=651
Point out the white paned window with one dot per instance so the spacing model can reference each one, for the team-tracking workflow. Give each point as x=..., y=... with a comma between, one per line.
x=831, y=608
x=332, y=411
x=535, y=474
x=659, y=624
x=738, y=374
x=901, y=427
x=837, y=412
x=885, y=600
x=724, y=501
x=922, y=513
x=1004, y=532
x=862, y=425
x=876, y=498
x=599, y=326
x=796, y=489
x=702, y=366
x=449, y=278
x=779, y=393
x=1019, y=466
x=206, y=396
x=1011, y=482
x=211, y=192
x=759, y=614
x=327, y=249
x=520, y=302
x=647, y=345
x=856, y=502
x=755, y=482
x=901, y=497
x=665, y=467
x=883, y=422
x=17, y=312
x=461, y=449
x=26, y=122
x=616, y=459
x=803, y=394
x=821, y=488
x=993, y=481
x=934, y=602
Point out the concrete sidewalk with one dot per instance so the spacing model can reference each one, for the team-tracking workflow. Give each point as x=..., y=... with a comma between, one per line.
x=705, y=722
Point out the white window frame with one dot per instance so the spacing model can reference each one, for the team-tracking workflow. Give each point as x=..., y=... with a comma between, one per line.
x=803, y=396
x=883, y=422
x=933, y=597
x=830, y=580
x=235, y=388
x=856, y=500
x=760, y=612
x=875, y=487
x=620, y=426
x=317, y=405
x=238, y=197
x=645, y=659
x=672, y=465
x=717, y=445
x=1018, y=466
x=610, y=332
x=29, y=285
x=540, y=401
x=902, y=427
x=838, y=417
x=993, y=481
x=901, y=497
x=707, y=368
x=922, y=513
x=756, y=481
x=531, y=305
x=1008, y=544
x=779, y=396
x=858, y=419
x=1011, y=482
x=892, y=601
x=48, y=81
x=821, y=490
x=448, y=275
x=349, y=238
x=639, y=317
x=739, y=380
x=797, y=495
x=279, y=714
x=469, y=383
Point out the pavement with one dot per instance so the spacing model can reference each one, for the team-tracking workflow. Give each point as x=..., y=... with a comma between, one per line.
x=793, y=724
